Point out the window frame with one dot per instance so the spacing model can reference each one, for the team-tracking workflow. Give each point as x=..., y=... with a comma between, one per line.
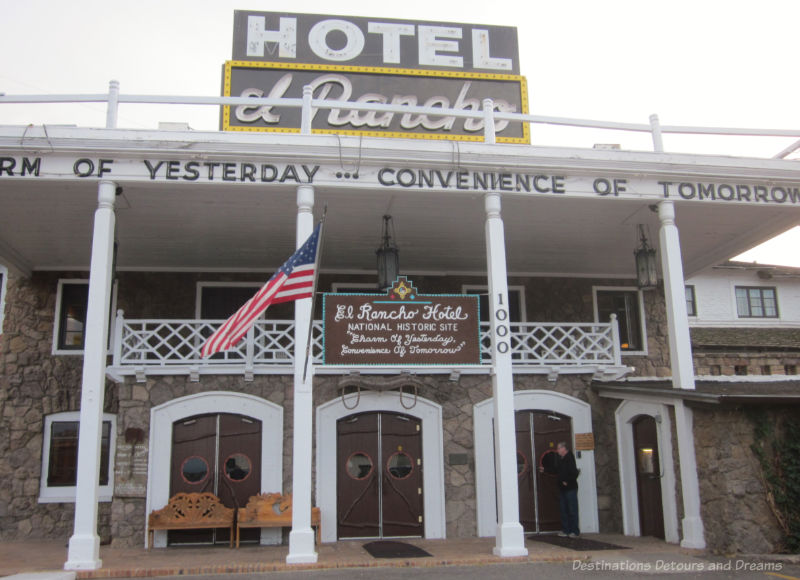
x=354, y=288
x=761, y=290
x=691, y=312
x=66, y=494
x=57, y=348
x=642, y=320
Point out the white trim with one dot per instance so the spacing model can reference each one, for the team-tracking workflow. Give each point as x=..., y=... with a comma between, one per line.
x=432, y=455
x=57, y=321
x=160, y=449
x=3, y=286
x=642, y=321
x=523, y=313
x=66, y=494
x=624, y=415
x=485, y=492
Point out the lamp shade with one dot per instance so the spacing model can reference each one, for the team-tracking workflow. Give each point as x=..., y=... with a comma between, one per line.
x=646, y=268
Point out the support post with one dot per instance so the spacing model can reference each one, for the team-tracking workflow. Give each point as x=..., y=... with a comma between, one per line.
x=680, y=354
x=84, y=545
x=489, y=134
x=306, y=114
x=112, y=111
x=510, y=537
x=655, y=130
x=301, y=538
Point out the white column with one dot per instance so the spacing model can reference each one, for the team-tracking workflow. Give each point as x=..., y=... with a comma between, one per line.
x=510, y=537
x=692, y=524
x=680, y=354
x=301, y=538
x=84, y=545
x=680, y=346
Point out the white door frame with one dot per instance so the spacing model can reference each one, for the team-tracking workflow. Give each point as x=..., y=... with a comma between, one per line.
x=581, y=414
x=624, y=415
x=163, y=416
x=432, y=455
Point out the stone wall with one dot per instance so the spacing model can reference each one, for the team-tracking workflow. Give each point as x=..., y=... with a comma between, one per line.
x=735, y=512
x=35, y=383
x=755, y=363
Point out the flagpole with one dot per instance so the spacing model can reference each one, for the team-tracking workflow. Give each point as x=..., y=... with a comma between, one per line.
x=314, y=290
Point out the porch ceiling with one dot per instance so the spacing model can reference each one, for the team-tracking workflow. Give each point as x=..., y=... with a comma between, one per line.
x=48, y=225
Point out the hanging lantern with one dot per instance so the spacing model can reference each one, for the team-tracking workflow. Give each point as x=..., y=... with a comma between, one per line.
x=388, y=256
x=646, y=268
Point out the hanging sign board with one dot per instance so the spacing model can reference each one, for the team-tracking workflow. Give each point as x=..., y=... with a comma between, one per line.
x=401, y=327
x=374, y=60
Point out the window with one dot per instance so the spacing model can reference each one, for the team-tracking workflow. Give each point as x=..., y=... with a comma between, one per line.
x=740, y=370
x=627, y=305
x=219, y=300
x=60, y=457
x=790, y=369
x=756, y=302
x=71, y=303
x=691, y=301
x=516, y=302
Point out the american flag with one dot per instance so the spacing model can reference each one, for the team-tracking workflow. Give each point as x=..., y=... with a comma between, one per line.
x=293, y=281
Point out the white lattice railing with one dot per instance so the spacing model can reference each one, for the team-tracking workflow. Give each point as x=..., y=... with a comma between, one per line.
x=151, y=344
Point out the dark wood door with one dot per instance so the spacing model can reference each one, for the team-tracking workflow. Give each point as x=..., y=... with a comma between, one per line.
x=538, y=433
x=648, y=476
x=401, y=493
x=220, y=454
x=379, y=476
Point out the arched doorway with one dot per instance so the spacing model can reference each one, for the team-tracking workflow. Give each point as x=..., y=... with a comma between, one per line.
x=626, y=416
x=579, y=413
x=213, y=403
x=379, y=476
x=429, y=415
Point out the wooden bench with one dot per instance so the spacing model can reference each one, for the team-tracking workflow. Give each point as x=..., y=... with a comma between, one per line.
x=191, y=511
x=271, y=510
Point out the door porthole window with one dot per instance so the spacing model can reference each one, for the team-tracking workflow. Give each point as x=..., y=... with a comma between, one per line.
x=194, y=470
x=238, y=467
x=359, y=465
x=400, y=465
x=522, y=464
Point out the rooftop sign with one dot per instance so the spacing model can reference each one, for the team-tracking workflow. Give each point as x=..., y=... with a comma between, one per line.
x=388, y=61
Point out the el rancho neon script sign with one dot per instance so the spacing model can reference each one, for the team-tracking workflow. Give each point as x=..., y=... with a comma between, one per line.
x=387, y=61
x=401, y=327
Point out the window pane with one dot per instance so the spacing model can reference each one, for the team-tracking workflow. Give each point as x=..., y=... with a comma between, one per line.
x=63, y=461
x=72, y=316
x=742, y=308
x=690, y=302
x=625, y=304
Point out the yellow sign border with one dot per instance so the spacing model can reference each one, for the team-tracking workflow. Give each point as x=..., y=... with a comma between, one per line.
x=226, y=113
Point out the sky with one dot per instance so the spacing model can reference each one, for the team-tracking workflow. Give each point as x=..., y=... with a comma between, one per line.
x=725, y=63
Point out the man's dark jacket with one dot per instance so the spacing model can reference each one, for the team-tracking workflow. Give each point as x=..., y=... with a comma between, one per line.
x=567, y=472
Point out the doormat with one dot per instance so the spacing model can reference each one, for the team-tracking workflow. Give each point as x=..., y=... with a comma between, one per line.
x=580, y=544
x=389, y=549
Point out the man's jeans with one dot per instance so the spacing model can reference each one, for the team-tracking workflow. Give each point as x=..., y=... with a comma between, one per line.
x=568, y=503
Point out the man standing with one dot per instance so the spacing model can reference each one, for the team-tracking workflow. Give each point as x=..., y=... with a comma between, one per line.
x=567, y=476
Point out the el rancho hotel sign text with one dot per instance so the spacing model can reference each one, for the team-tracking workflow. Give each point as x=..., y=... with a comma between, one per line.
x=366, y=60
x=401, y=327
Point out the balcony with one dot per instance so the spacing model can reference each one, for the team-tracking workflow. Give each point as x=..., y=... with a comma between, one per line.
x=172, y=347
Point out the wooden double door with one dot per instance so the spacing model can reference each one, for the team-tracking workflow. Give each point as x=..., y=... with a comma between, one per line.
x=538, y=434
x=379, y=477
x=218, y=453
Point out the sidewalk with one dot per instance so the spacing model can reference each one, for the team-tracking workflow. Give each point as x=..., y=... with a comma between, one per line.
x=49, y=556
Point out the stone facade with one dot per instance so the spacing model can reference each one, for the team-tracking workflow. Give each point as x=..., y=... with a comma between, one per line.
x=735, y=511
x=35, y=383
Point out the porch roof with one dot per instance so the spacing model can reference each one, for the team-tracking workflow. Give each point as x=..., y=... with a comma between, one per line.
x=170, y=222
x=747, y=390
